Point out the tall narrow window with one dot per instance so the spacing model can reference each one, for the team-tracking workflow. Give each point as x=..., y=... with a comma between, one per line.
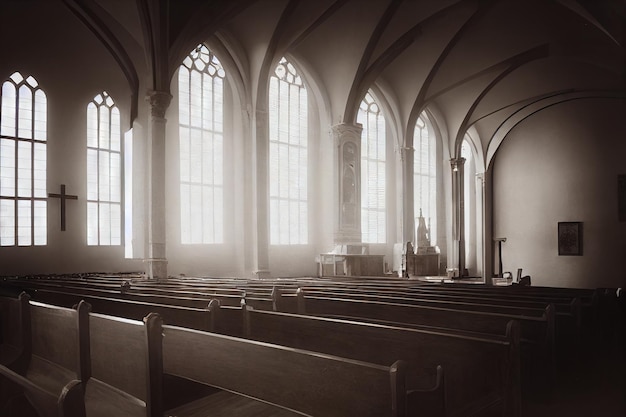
x=373, y=172
x=288, y=157
x=23, y=135
x=201, y=118
x=104, y=172
x=425, y=176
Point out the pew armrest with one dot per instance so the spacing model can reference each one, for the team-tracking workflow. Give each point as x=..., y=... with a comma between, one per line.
x=429, y=402
x=69, y=403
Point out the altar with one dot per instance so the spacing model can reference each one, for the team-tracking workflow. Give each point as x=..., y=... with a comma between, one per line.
x=351, y=260
x=353, y=265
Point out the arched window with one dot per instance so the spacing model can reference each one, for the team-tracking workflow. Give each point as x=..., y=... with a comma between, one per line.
x=23, y=135
x=425, y=176
x=104, y=172
x=373, y=171
x=201, y=118
x=288, y=156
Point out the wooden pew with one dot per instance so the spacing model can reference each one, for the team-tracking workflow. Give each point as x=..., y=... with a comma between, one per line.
x=57, y=358
x=195, y=318
x=482, y=373
x=125, y=369
x=14, y=336
x=305, y=382
x=537, y=333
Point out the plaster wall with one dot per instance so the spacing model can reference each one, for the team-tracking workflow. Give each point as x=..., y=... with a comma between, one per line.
x=561, y=164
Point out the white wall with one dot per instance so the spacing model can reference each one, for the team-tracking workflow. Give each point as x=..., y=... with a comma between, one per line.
x=561, y=164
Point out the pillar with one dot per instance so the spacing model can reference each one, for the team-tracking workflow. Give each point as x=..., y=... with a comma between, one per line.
x=261, y=184
x=347, y=139
x=458, y=211
x=156, y=263
x=487, y=225
x=407, y=157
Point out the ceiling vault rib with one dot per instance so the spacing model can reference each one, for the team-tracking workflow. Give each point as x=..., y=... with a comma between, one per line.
x=419, y=103
x=204, y=23
x=321, y=19
x=499, y=66
x=352, y=103
x=519, y=60
x=89, y=16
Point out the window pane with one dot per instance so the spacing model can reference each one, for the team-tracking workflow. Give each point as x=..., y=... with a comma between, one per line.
x=7, y=222
x=23, y=163
x=373, y=171
x=288, y=162
x=24, y=225
x=200, y=98
x=9, y=111
x=104, y=172
x=25, y=113
x=7, y=167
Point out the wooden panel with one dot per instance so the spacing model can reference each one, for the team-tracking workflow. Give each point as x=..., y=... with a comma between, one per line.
x=477, y=369
x=311, y=383
x=119, y=354
x=55, y=335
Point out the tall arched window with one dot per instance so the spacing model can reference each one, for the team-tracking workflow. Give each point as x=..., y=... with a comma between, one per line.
x=104, y=172
x=201, y=118
x=288, y=156
x=373, y=171
x=23, y=135
x=425, y=176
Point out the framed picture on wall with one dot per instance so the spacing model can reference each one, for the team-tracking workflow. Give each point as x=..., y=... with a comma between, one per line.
x=570, y=238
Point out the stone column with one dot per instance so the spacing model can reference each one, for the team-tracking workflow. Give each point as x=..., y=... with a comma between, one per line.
x=407, y=156
x=262, y=153
x=347, y=138
x=488, y=243
x=458, y=210
x=156, y=263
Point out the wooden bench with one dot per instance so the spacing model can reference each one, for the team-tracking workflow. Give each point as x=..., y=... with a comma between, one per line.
x=482, y=374
x=14, y=336
x=57, y=357
x=195, y=318
x=537, y=333
x=306, y=382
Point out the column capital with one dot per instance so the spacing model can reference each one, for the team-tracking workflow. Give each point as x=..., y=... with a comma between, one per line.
x=347, y=131
x=159, y=102
x=457, y=163
x=406, y=150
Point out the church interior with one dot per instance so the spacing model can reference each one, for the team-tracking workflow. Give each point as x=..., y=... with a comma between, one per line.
x=220, y=171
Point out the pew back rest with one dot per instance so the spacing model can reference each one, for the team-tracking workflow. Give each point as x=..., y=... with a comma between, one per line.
x=479, y=369
x=58, y=349
x=14, y=325
x=119, y=354
x=303, y=381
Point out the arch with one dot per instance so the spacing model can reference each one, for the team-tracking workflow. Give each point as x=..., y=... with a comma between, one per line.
x=288, y=156
x=23, y=125
x=535, y=106
x=104, y=171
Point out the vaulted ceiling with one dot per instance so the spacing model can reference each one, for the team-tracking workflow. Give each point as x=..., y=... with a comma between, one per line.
x=481, y=64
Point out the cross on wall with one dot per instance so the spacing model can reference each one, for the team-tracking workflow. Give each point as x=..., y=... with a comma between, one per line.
x=62, y=196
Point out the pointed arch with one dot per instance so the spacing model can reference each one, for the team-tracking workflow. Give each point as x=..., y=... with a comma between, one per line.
x=373, y=170
x=201, y=80
x=288, y=156
x=425, y=174
x=104, y=172
x=23, y=162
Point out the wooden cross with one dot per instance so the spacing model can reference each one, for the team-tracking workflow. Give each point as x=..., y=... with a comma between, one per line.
x=63, y=197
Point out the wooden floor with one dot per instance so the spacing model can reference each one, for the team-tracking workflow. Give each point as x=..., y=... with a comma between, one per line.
x=227, y=404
